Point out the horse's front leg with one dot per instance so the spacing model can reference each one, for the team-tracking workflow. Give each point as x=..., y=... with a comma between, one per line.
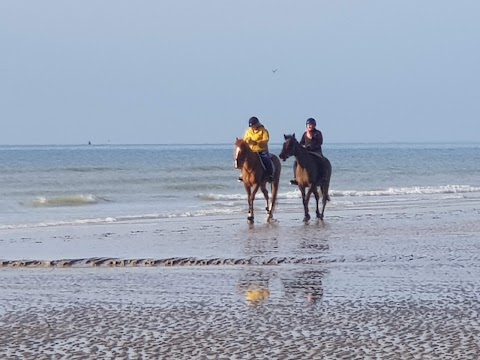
x=251, y=198
x=265, y=195
x=317, y=199
x=250, y=203
x=305, y=198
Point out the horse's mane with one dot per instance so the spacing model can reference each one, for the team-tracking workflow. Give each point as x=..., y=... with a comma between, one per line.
x=291, y=137
x=294, y=139
x=294, y=147
x=242, y=144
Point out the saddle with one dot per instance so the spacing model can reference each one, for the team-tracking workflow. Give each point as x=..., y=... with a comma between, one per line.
x=317, y=154
x=263, y=159
x=319, y=158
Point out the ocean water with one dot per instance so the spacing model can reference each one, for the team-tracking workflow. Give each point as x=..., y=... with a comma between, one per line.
x=48, y=186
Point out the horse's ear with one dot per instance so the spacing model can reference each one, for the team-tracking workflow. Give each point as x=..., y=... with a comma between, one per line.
x=236, y=139
x=293, y=135
x=285, y=136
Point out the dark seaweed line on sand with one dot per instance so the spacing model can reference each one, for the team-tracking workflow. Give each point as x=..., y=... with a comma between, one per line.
x=192, y=261
x=179, y=261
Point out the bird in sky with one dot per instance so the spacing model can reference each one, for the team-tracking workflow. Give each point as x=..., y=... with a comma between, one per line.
x=274, y=71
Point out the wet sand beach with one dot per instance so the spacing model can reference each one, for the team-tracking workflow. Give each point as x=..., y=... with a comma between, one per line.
x=370, y=283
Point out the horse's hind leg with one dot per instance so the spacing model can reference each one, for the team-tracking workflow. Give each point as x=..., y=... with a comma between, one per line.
x=265, y=195
x=306, y=199
x=325, y=198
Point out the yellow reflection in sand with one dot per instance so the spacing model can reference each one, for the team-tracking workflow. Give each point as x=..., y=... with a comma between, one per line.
x=257, y=295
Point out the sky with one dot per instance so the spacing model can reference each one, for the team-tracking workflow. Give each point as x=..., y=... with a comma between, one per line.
x=194, y=72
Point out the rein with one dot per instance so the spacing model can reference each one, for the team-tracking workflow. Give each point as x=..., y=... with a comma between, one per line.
x=299, y=152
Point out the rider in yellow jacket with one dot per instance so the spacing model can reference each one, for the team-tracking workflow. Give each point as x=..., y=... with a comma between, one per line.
x=257, y=138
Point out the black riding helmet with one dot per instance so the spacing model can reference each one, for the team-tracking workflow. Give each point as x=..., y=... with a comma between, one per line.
x=311, y=121
x=253, y=121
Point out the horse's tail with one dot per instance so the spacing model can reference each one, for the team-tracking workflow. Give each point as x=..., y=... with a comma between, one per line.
x=328, y=176
x=276, y=179
x=324, y=174
x=274, y=194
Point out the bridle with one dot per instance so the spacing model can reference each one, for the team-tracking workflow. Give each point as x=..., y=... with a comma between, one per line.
x=289, y=148
x=237, y=164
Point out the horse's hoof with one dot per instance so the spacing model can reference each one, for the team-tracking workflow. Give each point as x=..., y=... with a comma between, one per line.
x=306, y=218
x=250, y=219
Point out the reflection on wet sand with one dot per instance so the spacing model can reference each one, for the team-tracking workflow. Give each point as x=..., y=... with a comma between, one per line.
x=256, y=295
x=303, y=285
x=292, y=286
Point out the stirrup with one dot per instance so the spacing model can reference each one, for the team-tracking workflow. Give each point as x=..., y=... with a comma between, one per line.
x=293, y=182
x=240, y=179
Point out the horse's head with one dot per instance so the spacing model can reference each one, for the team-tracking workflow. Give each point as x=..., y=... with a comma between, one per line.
x=240, y=150
x=288, y=148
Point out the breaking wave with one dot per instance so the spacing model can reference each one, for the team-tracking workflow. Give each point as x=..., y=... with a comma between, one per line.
x=397, y=191
x=67, y=200
x=414, y=190
x=123, y=219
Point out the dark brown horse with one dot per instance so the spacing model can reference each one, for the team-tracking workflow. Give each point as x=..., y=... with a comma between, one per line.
x=312, y=171
x=254, y=176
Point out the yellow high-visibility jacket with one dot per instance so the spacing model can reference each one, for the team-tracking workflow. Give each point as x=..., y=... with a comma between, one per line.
x=257, y=139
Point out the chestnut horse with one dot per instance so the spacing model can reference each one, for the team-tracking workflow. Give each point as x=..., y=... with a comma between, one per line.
x=254, y=177
x=312, y=171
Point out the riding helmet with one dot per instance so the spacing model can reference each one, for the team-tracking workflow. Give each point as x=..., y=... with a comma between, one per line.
x=253, y=121
x=311, y=121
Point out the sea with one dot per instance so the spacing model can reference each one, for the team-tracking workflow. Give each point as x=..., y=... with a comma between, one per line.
x=57, y=185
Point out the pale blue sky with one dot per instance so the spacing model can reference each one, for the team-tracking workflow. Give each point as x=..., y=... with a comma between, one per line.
x=173, y=71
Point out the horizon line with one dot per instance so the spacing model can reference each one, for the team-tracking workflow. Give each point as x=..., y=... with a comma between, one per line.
x=272, y=143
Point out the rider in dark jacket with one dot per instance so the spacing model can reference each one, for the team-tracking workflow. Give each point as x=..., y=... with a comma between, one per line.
x=312, y=140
